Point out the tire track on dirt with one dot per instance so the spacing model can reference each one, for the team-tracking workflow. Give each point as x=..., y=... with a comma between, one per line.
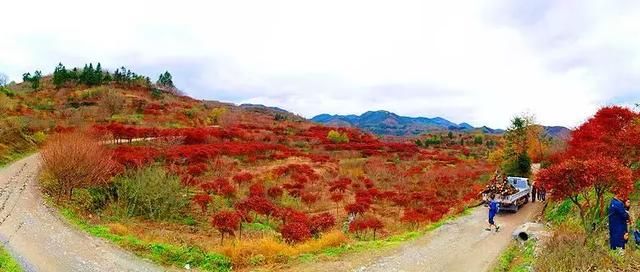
x=41, y=241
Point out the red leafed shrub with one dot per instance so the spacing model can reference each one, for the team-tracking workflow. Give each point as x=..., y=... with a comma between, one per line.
x=357, y=208
x=275, y=192
x=243, y=178
x=295, y=232
x=292, y=215
x=308, y=198
x=413, y=216
x=321, y=222
x=134, y=156
x=204, y=152
x=219, y=186
x=197, y=169
x=337, y=197
x=260, y=205
x=368, y=183
x=202, y=200
x=340, y=185
x=257, y=190
x=401, y=199
x=226, y=222
x=362, y=224
x=387, y=195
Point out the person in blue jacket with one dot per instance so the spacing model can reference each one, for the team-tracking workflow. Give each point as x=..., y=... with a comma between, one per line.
x=494, y=206
x=618, y=218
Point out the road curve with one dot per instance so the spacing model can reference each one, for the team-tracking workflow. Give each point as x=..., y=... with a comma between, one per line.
x=462, y=244
x=40, y=240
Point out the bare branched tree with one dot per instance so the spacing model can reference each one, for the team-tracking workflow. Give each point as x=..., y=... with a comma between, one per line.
x=3, y=79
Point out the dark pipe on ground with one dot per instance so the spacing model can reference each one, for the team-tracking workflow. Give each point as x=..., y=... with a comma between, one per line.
x=523, y=236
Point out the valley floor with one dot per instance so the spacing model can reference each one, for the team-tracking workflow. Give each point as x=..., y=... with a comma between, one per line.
x=40, y=240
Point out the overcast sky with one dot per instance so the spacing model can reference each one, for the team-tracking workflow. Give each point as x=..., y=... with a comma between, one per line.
x=468, y=61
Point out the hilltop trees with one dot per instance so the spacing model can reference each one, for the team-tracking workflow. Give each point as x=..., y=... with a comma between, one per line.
x=33, y=79
x=60, y=75
x=165, y=80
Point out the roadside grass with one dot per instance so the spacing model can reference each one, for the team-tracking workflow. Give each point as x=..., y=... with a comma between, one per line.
x=165, y=254
x=558, y=212
x=14, y=156
x=570, y=249
x=518, y=257
x=8, y=263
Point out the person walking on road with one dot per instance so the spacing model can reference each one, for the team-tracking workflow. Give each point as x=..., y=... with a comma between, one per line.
x=534, y=193
x=618, y=219
x=494, y=207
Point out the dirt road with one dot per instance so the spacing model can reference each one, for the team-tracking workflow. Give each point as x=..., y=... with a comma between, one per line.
x=460, y=245
x=40, y=240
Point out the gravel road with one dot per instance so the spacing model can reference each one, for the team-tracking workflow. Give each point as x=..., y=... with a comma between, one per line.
x=460, y=245
x=40, y=240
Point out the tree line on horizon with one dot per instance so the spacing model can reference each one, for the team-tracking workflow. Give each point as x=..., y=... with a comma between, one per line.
x=95, y=76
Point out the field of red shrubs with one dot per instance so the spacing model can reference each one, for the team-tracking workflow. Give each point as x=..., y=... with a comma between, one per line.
x=297, y=184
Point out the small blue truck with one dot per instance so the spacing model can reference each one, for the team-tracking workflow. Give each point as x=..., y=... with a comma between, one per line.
x=513, y=201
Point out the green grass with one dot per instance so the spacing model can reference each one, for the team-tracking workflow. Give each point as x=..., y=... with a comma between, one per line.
x=7, y=263
x=165, y=254
x=13, y=156
x=518, y=257
x=559, y=211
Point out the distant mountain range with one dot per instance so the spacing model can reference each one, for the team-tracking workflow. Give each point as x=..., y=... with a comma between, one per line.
x=388, y=123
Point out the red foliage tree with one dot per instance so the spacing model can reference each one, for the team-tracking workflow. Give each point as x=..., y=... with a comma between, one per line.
x=219, y=186
x=337, y=198
x=202, y=200
x=363, y=224
x=309, y=198
x=259, y=205
x=242, y=178
x=600, y=135
x=226, y=222
x=576, y=179
x=295, y=232
x=275, y=192
x=413, y=216
x=321, y=222
x=257, y=190
x=357, y=208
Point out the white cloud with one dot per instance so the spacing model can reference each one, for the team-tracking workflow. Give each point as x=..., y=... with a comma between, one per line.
x=479, y=61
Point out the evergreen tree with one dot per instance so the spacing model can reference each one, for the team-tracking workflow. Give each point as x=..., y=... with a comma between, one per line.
x=60, y=76
x=35, y=80
x=26, y=77
x=165, y=80
x=107, y=77
x=97, y=75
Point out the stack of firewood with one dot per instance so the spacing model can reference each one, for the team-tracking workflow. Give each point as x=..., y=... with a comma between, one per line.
x=500, y=186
